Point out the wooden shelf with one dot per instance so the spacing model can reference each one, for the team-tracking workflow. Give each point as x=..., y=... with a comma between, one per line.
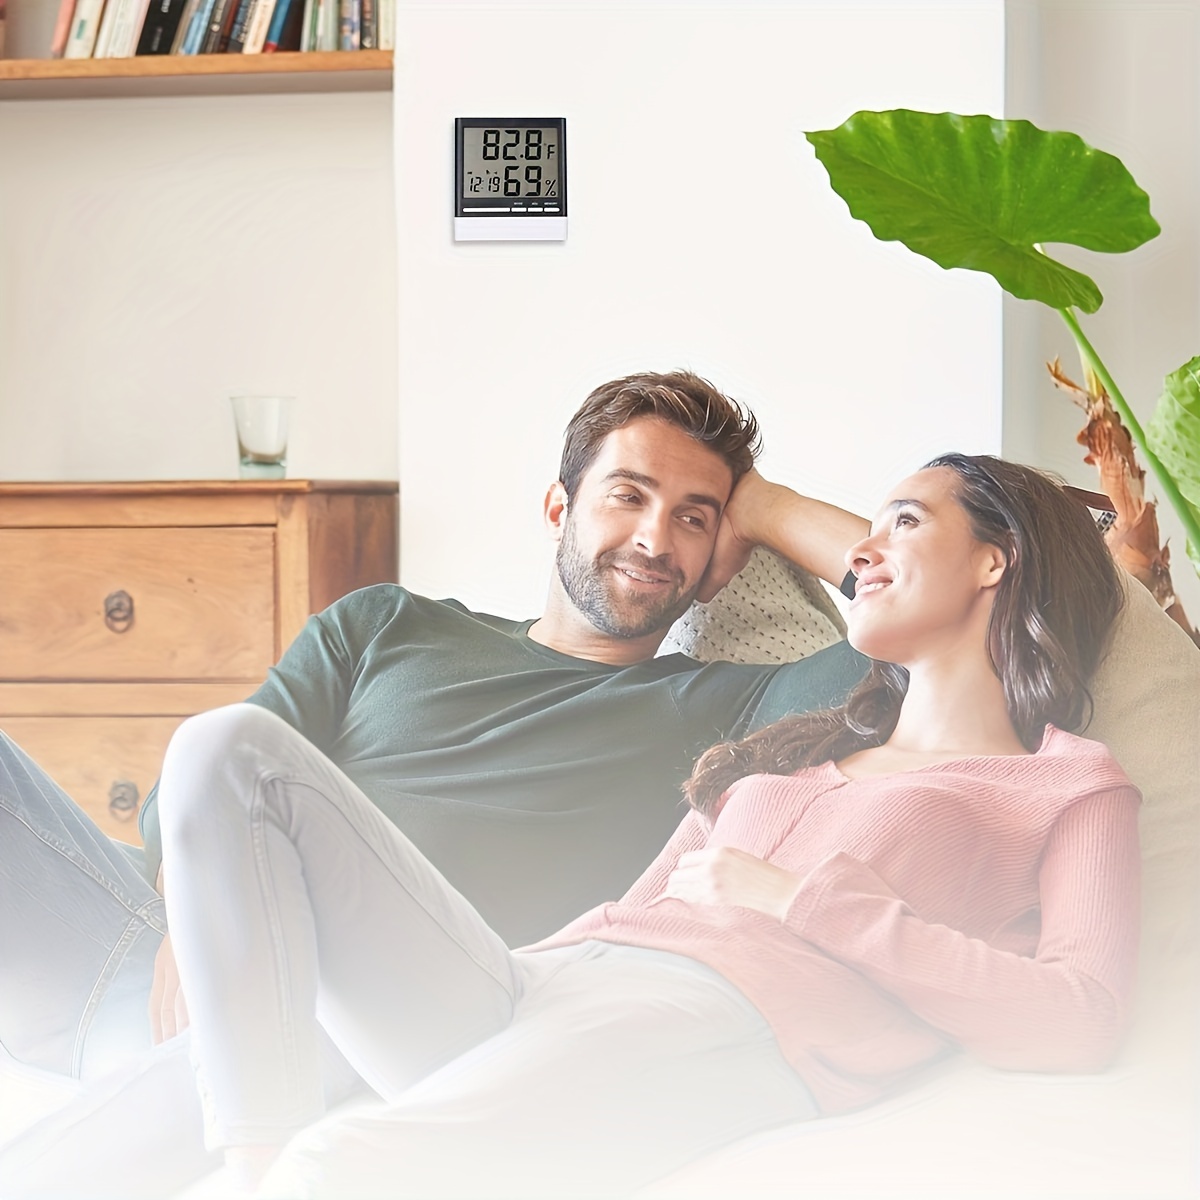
x=195, y=74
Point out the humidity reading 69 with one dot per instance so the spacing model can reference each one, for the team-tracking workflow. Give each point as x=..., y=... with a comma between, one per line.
x=516, y=163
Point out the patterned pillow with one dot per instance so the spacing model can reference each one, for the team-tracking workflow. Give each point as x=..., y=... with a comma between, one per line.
x=771, y=612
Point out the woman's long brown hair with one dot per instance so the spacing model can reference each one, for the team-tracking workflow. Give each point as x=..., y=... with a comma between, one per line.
x=1049, y=627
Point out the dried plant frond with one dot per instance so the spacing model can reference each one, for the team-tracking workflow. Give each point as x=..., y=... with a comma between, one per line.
x=1134, y=536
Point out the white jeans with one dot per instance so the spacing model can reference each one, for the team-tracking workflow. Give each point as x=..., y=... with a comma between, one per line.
x=292, y=900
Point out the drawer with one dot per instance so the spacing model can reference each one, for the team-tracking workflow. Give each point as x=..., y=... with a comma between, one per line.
x=105, y=764
x=139, y=604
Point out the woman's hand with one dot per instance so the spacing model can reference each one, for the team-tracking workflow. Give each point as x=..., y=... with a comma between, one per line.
x=734, y=879
x=168, y=1008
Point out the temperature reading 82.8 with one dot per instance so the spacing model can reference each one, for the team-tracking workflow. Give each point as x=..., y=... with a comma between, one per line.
x=516, y=163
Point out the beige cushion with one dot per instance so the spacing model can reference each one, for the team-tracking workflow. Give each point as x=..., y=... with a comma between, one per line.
x=1147, y=695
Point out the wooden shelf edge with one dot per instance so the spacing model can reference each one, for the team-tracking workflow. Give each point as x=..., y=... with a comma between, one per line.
x=192, y=487
x=178, y=66
x=195, y=74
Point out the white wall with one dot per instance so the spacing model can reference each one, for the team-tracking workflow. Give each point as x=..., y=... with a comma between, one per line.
x=157, y=255
x=860, y=358
x=1124, y=77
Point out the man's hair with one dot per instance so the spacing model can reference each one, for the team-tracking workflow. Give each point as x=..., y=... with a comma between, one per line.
x=685, y=400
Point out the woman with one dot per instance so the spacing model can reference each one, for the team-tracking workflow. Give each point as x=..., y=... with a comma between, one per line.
x=854, y=895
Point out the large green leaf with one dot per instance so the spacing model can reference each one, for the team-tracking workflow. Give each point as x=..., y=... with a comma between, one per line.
x=985, y=194
x=1173, y=434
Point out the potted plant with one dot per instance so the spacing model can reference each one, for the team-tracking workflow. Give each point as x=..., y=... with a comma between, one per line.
x=988, y=195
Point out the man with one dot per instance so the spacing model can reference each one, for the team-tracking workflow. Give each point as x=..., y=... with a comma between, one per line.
x=536, y=763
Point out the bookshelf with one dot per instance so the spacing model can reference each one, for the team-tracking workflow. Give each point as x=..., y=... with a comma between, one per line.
x=192, y=75
x=178, y=222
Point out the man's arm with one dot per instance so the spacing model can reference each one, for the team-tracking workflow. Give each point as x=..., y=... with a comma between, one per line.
x=810, y=533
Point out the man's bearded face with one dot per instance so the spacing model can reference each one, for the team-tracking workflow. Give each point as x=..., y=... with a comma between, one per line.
x=622, y=592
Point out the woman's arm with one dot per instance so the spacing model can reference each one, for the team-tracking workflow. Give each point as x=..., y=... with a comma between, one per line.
x=1065, y=1008
x=690, y=834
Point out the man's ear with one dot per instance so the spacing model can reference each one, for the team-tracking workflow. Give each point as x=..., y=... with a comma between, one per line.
x=554, y=510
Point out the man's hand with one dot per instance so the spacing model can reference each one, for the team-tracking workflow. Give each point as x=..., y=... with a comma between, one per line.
x=168, y=1009
x=735, y=539
x=734, y=879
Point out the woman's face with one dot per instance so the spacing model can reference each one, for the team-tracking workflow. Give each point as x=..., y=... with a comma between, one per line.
x=925, y=584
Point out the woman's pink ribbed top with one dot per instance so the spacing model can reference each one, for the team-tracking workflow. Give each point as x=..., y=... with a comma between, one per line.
x=989, y=903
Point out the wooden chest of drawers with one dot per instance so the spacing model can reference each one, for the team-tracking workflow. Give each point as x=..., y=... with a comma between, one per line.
x=125, y=608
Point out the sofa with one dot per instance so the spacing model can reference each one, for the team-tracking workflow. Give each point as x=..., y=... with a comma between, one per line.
x=1131, y=1131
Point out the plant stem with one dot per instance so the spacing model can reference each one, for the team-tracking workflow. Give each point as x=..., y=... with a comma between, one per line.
x=1170, y=490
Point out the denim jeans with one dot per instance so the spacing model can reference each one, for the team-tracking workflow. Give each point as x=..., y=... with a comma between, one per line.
x=79, y=928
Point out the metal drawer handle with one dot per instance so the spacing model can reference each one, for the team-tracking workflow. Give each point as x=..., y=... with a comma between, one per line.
x=123, y=800
x=118, y=611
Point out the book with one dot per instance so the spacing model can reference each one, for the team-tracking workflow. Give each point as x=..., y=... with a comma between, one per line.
x=107, y=23
x=231, y=16
x=185, y=22
x=85, y=25
x=3, y=22
x=327, y=25
x=119, y=28
x=199, y=23
x=278, y=16
x=286, y=31
x=258, y=25
x=130, y=19
x=308, y=25
x=387, y=24
x=236, y=38
x=349, y=16
x=62, y=28
x=219, y=21
x=368, y=35
x=159, y=29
